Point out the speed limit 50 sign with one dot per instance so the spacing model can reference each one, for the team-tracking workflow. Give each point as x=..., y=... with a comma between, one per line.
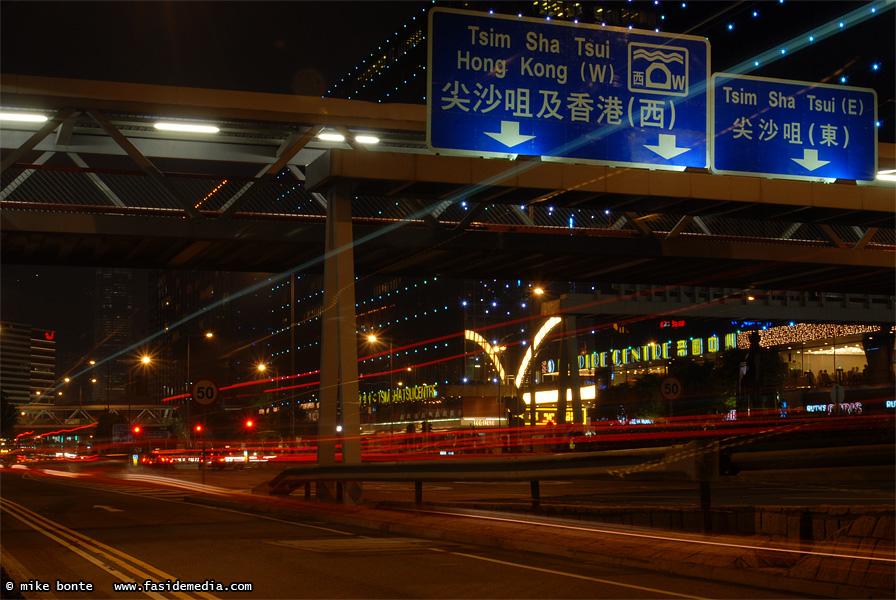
x=204, y=391
x=671, y=388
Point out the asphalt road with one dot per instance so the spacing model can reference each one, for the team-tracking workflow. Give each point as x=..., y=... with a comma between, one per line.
x=82, y=531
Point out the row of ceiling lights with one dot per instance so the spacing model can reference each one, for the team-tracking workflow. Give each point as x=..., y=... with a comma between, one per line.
x=327, y=136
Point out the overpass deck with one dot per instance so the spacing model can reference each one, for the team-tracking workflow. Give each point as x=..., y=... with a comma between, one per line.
x=97, y=185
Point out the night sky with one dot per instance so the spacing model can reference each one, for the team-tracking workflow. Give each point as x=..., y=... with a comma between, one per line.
x=276, y=47
x=304, y=47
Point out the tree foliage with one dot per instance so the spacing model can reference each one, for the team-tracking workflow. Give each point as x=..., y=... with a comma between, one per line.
x=708, y=387
x=9, y=416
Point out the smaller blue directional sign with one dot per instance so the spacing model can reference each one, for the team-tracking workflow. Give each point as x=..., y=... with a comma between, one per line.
x=505, y=85
x=793, y=129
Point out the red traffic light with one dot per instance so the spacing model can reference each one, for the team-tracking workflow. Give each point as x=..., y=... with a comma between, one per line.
x=250, y=423
x=198, y=428
x=136, y=429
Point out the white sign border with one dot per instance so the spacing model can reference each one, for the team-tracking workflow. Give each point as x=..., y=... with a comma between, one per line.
x=711, y=142
x=561, y=159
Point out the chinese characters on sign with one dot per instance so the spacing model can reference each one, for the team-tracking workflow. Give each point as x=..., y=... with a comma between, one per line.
x=791, y=128
x=502, y=85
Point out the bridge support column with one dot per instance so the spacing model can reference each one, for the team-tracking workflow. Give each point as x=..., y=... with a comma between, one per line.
x=569, y=364
x=878, y=348
x=339, y=346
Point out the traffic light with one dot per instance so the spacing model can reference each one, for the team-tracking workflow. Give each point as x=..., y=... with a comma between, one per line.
x=136, y=429
x=250, y=423
x=198, y=429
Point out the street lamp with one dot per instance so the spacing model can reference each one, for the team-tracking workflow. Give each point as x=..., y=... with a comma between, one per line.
x=262, y=368
x=144, y=363
x=533, y=328
x=207, y=335
x=373, y=339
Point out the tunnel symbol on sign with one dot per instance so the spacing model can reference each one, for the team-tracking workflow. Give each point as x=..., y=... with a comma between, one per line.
x=658, y=69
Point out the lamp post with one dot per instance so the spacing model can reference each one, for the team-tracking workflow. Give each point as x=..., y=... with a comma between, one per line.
x=144, y=363
x=207, y=335
x=533, y=329
x=373, y=339
x=80, y=396
x=533, y=418
x=262, y=369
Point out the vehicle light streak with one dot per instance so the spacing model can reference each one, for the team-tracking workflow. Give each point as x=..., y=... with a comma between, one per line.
x=663, y=538
x=196, y=487
x=65, y=430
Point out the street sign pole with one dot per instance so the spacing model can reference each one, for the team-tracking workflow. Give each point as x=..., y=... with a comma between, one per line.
x=503, y=86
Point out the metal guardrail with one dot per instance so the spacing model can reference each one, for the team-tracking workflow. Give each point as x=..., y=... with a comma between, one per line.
x=698, y=461
x=661, y=462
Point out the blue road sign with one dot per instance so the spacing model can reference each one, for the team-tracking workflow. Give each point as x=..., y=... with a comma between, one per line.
x=504, y=85
x=793, y=129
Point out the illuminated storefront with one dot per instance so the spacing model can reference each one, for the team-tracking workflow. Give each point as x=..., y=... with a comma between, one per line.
x=839, y=350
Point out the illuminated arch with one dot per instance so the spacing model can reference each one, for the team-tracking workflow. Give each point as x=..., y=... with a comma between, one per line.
x=549, y=324
x=491, y=351
x=494, y=353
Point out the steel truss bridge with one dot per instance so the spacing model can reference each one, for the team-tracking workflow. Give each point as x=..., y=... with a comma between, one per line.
x=42, y=417
x=97, y=184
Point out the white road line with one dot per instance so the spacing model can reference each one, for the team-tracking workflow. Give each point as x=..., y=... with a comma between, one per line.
x=571, y=575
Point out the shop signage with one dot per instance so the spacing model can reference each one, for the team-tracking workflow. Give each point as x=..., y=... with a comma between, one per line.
x=400, y=394
x=672, y=324
x=619, y=357
x=849, y=408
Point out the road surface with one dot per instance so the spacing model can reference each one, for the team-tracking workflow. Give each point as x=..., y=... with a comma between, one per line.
x=76, y=533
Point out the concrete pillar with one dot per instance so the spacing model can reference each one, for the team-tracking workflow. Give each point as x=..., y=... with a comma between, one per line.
x=562, y=376
x=878, y=348
x=339, y=347
x=572, y=355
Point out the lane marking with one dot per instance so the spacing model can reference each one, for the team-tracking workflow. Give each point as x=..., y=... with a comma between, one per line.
x=571, y=575
x=83, y=545
x=163, y=496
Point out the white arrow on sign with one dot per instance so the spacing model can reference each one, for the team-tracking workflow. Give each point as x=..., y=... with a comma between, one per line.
x=666, y=147
x=510, y=134
x=108, y=508
x=810, y=160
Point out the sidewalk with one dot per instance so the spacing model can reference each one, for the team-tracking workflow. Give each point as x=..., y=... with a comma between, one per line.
x=857, y=561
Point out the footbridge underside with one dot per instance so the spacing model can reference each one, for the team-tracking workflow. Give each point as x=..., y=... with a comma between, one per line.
x=98, y=185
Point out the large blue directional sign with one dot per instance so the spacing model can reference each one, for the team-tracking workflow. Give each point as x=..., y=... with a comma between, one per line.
x=504, y=85
x=793, y=129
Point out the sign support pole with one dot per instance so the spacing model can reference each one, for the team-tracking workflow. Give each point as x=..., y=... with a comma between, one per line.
x=339, y=352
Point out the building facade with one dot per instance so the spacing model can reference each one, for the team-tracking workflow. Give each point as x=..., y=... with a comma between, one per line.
x=27, y=363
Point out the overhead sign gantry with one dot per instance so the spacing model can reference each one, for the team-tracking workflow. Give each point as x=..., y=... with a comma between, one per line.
x=504, y=85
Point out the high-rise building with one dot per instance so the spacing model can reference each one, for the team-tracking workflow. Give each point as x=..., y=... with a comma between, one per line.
x=215, y=325
x=27, y=363
x=113, y=332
